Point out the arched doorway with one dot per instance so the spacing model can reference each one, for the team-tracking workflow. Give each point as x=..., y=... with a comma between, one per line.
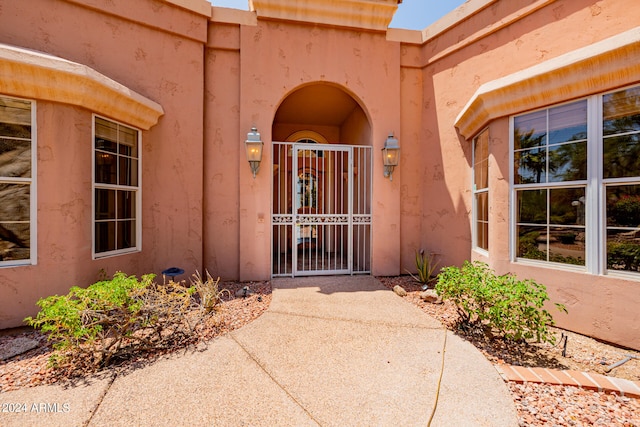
x=321, y=215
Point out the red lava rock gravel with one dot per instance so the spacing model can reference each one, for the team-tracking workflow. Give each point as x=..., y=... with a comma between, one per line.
x=31, y=369
x=553, y=405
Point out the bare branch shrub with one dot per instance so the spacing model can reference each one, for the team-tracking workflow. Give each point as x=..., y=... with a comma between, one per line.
x=112, y=320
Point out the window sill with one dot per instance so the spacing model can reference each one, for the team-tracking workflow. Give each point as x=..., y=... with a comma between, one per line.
x=112, y=254
x=481, y=252
x=551, y=265
x=11, y=264
x=622, y=275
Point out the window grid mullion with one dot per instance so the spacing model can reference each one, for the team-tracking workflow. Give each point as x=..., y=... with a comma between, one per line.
x=595, y=202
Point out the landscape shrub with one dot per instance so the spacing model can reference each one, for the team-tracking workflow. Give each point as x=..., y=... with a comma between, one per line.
x=623, y=256
x=113, y=319
x=512, y=307
x=426, y=265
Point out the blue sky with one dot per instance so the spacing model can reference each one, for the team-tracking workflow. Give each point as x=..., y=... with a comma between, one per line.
x=411, y=14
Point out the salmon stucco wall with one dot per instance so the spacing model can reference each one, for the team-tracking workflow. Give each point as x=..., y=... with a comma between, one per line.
x=456, y=62
x=413, y=158
x=222, y=150
x=151, y=47
x=277, y=58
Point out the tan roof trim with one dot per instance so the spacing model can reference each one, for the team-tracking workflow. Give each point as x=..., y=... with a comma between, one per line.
x=363, y=14
x=450, y=20
x=601, y=66
x=36, y=75
x=201, y=7
x=226, y=15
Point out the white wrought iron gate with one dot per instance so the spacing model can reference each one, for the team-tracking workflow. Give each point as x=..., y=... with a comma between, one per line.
x=321, y=215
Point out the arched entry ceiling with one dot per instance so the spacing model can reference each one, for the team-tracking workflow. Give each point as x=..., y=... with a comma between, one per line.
x=318, y=104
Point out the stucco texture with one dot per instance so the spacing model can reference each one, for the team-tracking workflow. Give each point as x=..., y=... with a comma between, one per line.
x=216, y=75
x=159, y=56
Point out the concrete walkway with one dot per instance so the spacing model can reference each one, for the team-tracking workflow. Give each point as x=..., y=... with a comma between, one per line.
x=330, y=351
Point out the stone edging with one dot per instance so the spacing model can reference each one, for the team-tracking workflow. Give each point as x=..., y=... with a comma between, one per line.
x=586, y=380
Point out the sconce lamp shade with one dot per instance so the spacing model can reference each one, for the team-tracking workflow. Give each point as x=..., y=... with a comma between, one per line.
x=253, y=146
x=390, y=155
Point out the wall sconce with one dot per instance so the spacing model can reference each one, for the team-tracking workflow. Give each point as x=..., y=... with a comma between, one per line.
x=390, y=156
x=253, y=146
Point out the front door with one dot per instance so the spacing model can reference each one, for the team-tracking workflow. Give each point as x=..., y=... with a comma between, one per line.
x=322, y=209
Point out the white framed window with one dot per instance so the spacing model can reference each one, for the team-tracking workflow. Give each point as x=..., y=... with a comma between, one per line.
x=18, y=204
x=481, y=191
x=576, y=183
x=116, y=188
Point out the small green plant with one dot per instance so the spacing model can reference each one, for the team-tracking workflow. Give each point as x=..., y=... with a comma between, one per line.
x=512, y=307
x=426, y=265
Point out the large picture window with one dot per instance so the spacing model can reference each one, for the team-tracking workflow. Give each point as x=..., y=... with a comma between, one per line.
x=17, y=182
x=116, y=188
x=550, y=176
x=481, y=190
x=569, y=161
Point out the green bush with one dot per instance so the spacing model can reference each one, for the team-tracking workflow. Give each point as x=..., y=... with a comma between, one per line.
x=118, y=317
x=512, y=307
x=625, y=211
x=623, y=256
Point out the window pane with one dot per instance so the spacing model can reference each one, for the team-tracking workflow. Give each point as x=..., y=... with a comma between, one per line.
x=15, y=158
x=106, y=145
x=481, y=160
x=105, y=236
x=530, y=166
x=128, y=141
x=623, y=206
x=482, y=220
x=623, y=227
x=623, y=250
x=106, y=135
x=621, y=156
x=128, y=172
x=530, y=130
x=566, y=245
x=126, y=204
x=482, y=235
x=568, y=162
x=568, y=122
x=105, y=204
x=106, y=168
x=532, y=206
x=482, y=206
x=532, y=242
x=126, y=234
x=15, y=202
x=15, y=241
x=481, y=175
x=621, y=111
x=15, y=118
x=567, y=206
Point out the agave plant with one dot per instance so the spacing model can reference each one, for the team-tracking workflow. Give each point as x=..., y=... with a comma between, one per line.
x=426, y=264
